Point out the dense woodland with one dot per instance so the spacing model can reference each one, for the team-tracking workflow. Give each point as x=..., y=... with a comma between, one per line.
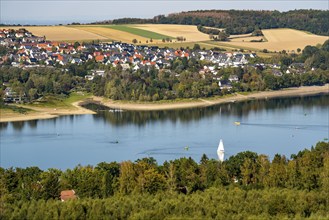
x=246, y=185
x=243, y=21
x=181, y=81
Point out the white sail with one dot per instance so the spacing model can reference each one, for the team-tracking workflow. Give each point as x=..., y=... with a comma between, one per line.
x=220, y=151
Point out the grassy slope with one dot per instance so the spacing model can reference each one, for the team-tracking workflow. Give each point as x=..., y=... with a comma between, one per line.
x=137, y=31
x=8, y=109
x=60, y=102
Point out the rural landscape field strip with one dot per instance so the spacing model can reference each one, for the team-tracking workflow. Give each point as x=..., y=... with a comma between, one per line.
x=229, y=45
x=275, y=39
x=139, y=32
x=190, y=32
x=112, y=33
x=281, y=39
x=62, y=33
x=246, y=39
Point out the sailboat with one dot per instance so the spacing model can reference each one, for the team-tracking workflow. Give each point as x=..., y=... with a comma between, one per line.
x=220, y=151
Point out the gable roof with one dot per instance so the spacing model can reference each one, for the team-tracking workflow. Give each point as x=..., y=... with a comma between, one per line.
x=68, y=194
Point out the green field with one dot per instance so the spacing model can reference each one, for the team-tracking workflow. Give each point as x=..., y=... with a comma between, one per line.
x=139, y=32
x=59, y=101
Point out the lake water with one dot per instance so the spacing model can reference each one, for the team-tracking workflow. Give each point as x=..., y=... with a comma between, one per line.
x=282, y=125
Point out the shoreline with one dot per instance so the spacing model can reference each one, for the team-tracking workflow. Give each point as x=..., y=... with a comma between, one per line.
x=48, y=113
x=204, y=102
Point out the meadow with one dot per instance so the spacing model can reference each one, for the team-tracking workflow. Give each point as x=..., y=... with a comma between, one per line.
x=139, y=32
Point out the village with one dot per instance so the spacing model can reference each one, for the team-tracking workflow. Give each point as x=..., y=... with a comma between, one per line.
x=29, y=51
x=34, y=51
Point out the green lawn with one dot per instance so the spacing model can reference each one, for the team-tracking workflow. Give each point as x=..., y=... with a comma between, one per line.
x=57, y=101
x=139, y=32
x=13, y=108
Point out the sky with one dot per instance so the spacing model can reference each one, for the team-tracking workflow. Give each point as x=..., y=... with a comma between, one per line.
x=67, y=11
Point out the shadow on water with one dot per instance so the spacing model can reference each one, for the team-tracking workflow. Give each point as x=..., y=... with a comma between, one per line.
x=19, y=125
x=32, y=124
x=141, y=118
x=4, y=125
x=239, y=110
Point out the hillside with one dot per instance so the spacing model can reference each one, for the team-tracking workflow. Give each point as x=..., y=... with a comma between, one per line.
x=166, y=35
x=276, y=40
x=242, y=21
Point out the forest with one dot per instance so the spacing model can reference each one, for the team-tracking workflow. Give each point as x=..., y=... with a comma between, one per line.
x=243, y=21
x=246, y=185
x=182, y=80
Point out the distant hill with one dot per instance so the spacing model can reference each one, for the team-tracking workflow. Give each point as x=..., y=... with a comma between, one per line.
x=241, y=21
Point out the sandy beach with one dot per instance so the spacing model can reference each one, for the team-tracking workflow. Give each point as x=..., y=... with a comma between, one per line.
x=46, y=113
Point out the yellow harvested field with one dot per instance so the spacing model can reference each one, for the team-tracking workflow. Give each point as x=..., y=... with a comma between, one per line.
x=282, y=39
x=190, y=32
x=60, y=33
x=112, y=34
x=239, y=36
x=245, y=39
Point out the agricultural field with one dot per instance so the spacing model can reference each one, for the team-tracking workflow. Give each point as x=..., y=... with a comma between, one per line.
x=144, y=32
x=112, y=34
x=62, y=33
x=245, y=38
x=190, y=32
x=178, y=45
x=278, y=40
x=132, y=29
x=274, y=39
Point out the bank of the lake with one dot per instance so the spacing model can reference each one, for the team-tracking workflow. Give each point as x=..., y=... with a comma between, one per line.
x=267, y=126
x=76, y=109
x=193, y=103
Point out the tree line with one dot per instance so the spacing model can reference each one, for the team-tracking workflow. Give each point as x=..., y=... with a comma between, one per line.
x=243, y=21
x=245, y=185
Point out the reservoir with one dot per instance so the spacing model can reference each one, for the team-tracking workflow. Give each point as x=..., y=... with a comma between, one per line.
x=270, y=126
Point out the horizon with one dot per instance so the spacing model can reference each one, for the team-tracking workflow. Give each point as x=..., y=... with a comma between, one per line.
x=47, y=13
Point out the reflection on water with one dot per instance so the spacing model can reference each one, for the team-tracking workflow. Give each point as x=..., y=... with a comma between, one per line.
x=282, y=125
x=3, y=125
x=32, y=124
x=239, y=109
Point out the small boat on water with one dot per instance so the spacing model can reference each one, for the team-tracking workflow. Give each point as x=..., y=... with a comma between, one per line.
x=237, y=123
x=220, y=151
